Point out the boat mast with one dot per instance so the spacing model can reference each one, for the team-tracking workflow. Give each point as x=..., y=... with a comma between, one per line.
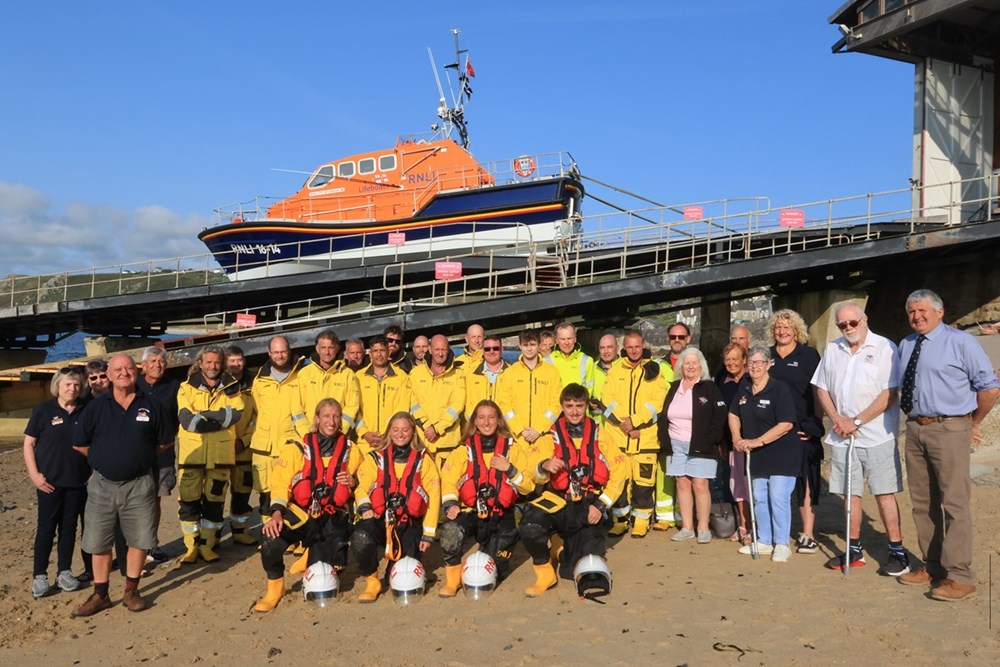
x=454, y=116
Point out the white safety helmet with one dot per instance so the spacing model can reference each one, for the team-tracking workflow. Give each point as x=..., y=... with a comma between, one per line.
x=406, y=579
x=320, y=584
x=479, y=575
x=592, y=576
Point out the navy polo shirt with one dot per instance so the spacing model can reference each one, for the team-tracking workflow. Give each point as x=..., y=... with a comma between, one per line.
x=797, y=370
x=758, y=414
x=123, y=442
x=52, y=428
x=165, y=391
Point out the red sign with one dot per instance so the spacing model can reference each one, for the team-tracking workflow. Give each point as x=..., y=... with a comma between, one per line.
x=792, y=217
x=694, y=213
x=447, y=270
x=246, y=320
x=397, y=238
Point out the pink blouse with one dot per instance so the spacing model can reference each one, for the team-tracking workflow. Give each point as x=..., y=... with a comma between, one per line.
x=679, y=414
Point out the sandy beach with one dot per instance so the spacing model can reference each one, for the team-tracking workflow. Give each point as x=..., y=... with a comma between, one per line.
x=672, y=604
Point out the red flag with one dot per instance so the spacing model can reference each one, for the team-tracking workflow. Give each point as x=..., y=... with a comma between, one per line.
x=468, y=68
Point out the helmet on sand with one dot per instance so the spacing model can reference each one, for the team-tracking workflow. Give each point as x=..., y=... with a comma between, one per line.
x=406, y=579
x=479, y=575
x=592, y=576
x=320, y=584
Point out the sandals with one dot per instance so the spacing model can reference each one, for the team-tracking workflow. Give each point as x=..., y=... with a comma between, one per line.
x=741, y=535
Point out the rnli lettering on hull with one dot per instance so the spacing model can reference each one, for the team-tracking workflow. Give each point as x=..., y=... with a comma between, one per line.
x=426, y=177
x=255, y=248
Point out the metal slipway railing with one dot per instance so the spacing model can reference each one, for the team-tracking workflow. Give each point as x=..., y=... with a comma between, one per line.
x=630, y=248
x=617, y=232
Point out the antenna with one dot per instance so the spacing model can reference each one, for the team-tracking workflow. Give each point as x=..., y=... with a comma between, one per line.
x=453, y=116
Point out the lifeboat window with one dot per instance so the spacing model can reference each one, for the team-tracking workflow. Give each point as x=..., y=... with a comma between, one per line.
x=322, y=177
x=366, y=166
x=387, y=162
x=345, y=169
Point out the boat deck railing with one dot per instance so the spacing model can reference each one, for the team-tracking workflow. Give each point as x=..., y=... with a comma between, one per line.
x=633, y=243
x=676, y=228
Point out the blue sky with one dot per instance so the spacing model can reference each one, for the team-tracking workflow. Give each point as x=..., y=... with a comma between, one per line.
x=124, y=124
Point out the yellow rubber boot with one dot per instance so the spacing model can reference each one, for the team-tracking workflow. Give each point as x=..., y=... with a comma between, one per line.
x=618, y=528
x=206, y=541
x=189, y=531
x=452, y=581
x=275, y=590
x=545, y=578
x=640, y=527
x=301, y=564
x=373, y=586
x=555, y=548
x=239, y=525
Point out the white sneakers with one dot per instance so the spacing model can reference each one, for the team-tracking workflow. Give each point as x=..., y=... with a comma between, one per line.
x=762, y=548
x=781, y=554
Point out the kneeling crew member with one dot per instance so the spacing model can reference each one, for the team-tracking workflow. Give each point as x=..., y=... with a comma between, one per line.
x=583, y=477
x=310, y=500
x=480, y=483
x=399, y=500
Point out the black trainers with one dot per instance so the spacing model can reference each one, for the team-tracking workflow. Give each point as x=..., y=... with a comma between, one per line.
x=895, y=565
x=806, y=545
x=837, y=562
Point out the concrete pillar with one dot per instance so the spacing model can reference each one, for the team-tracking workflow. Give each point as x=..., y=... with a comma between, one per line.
x=816, y=308
x=716, y=316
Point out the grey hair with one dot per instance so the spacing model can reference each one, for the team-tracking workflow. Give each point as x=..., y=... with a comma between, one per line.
x=70, y=371
x=847, y=304
x=152, y=351
x=693, y=351
x=764, y=352
x=925, y=295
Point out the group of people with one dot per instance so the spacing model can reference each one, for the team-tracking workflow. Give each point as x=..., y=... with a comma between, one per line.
x=380, y=454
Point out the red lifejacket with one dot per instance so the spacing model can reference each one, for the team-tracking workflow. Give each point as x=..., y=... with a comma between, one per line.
x=596, y=470
x=313, y=472
x=477, y=474
x=408, y=486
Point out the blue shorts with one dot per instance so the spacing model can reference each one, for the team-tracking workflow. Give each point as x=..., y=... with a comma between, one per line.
x=680, y=465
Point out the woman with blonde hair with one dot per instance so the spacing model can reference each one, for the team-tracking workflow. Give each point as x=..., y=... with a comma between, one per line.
x=480, y=483
x=399, y=500
x=795, y=363
x=59, y=474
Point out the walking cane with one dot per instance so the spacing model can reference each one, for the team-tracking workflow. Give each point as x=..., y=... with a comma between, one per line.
x=847, y=533
x=753, y=516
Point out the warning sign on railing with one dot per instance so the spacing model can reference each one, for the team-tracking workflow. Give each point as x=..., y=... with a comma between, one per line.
x=246, y=320
x=694, y=213
x=792, y=217
x=447, y=270
x=397, y=238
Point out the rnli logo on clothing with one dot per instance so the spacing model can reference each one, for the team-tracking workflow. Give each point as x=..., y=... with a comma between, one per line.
x=869, y=358
x=703, y=400
x=56, y=421
x=142, y=415
x=743, y=400
x=793, y=364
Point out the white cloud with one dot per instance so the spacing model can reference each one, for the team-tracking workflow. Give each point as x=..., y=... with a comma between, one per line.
x=39, y=239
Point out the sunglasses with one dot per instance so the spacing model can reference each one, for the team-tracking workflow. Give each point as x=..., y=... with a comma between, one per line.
x=849, y=323
x=678, y=336
x=491, y=349
x=98, y=376
x=397, y=341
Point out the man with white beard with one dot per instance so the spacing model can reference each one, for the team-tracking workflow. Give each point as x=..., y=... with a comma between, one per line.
x=856, y=387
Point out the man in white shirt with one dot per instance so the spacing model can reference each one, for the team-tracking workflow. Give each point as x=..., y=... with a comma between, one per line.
x=856, y=385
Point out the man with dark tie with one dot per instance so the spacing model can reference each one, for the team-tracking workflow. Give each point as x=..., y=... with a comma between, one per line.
x=947, y=389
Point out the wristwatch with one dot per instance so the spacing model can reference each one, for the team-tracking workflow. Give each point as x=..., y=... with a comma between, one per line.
x=857, y=422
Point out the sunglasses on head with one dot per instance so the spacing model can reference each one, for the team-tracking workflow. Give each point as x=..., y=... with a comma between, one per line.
x=849, y=323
